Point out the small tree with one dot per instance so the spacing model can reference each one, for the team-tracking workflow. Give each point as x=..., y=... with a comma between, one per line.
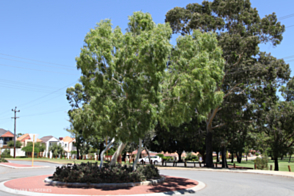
x=56, y=150
x=10, y=144
x=39, y=147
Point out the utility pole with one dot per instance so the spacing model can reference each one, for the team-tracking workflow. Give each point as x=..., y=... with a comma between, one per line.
x=14, y=110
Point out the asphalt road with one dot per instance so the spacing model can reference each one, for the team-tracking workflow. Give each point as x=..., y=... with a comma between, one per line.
x=217, y=183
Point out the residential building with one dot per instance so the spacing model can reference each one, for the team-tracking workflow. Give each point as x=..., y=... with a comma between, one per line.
x=25, y=138
x=49, y=141
x=6, y=136
x=68, y=144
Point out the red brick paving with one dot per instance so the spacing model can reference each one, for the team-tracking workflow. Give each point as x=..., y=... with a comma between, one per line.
x=36, y=184
x=18, y=165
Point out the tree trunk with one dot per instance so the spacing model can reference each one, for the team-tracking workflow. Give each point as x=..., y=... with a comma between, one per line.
x=239, y=157
x=102, y=154
x=78, y=151
x=117, y=153
x=180, y=156
x=232, y=157
x=148, y=154
x=138, y=154
x=282, y=157
x=290, y=158
x=208, y=143
x=100, y=150
x=217, y=157
x=224, y=158
x=246, y=157
x=276, y=164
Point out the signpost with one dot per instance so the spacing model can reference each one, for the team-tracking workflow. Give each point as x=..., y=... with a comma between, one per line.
x=34, y=137
x=1, y=145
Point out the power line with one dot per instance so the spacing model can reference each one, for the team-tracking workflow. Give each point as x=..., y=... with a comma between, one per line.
x=35, y=60
x=67, y=68
x=23, y=88
x=285, y=17
x=287, y=57
x=48, y=94
x=42, y=97
x=35, y=69
x=41, y=113
x=25, y=83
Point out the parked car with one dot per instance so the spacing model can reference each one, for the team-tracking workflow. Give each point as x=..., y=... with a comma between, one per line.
x=155, y=159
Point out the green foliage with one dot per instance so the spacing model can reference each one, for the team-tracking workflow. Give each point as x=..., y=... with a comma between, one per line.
x=261, y=163
x=122, y=75
x=90, y=173
x=2, y=160
x=250, y=73
x=39, y=147
x=10, y=144
x=191, y=157
x=195, y=69
x=56, y=149
x=160, y=155
x=6, y=153
x=73, y=152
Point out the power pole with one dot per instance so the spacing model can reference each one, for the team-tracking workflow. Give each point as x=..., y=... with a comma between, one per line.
x=14, y=110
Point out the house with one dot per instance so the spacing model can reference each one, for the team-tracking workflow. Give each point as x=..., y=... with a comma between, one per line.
x=25, y=138
x=6, y=136
x=48, y=141
x=68, y=144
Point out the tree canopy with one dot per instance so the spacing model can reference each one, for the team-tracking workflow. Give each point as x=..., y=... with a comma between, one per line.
x=239, y=30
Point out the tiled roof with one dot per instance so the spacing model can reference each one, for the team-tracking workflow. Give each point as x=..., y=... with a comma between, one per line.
x=68, y=139
x=3, y=132
x=23, y=137
x=26, y=137
x=46, y=138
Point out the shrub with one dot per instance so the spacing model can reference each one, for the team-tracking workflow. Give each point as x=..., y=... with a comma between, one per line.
x=261, y=163
x=56, y=150
x=2, y=160
x=38, y=147
x=6, y=153
x=10, y=144
x=90, y=173
x=191, y=157
x=160, y=155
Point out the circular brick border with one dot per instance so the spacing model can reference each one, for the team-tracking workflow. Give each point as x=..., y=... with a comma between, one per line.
x=100, y=185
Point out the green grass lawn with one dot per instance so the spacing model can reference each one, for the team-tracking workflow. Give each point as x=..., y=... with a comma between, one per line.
x=283, y=164
x=60, y=161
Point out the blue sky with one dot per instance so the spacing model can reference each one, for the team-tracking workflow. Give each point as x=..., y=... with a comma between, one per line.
x=48, y=35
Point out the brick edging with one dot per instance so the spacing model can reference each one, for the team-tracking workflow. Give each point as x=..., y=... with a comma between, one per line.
x=99, y=185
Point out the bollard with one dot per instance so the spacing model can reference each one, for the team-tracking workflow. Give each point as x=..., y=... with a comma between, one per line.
x=234, y=165
x=255, y=166
x=271, y=167
x=289, y=167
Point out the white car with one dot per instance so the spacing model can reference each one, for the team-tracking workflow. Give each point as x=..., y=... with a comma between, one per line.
x=155, y=159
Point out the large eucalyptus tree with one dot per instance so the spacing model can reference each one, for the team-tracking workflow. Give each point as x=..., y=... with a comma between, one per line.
x=239, y=30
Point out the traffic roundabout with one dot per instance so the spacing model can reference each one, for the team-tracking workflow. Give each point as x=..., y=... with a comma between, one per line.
x=36, y=186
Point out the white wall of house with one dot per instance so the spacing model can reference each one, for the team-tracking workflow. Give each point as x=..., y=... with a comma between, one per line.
x=18, y=152
x=49, y=143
